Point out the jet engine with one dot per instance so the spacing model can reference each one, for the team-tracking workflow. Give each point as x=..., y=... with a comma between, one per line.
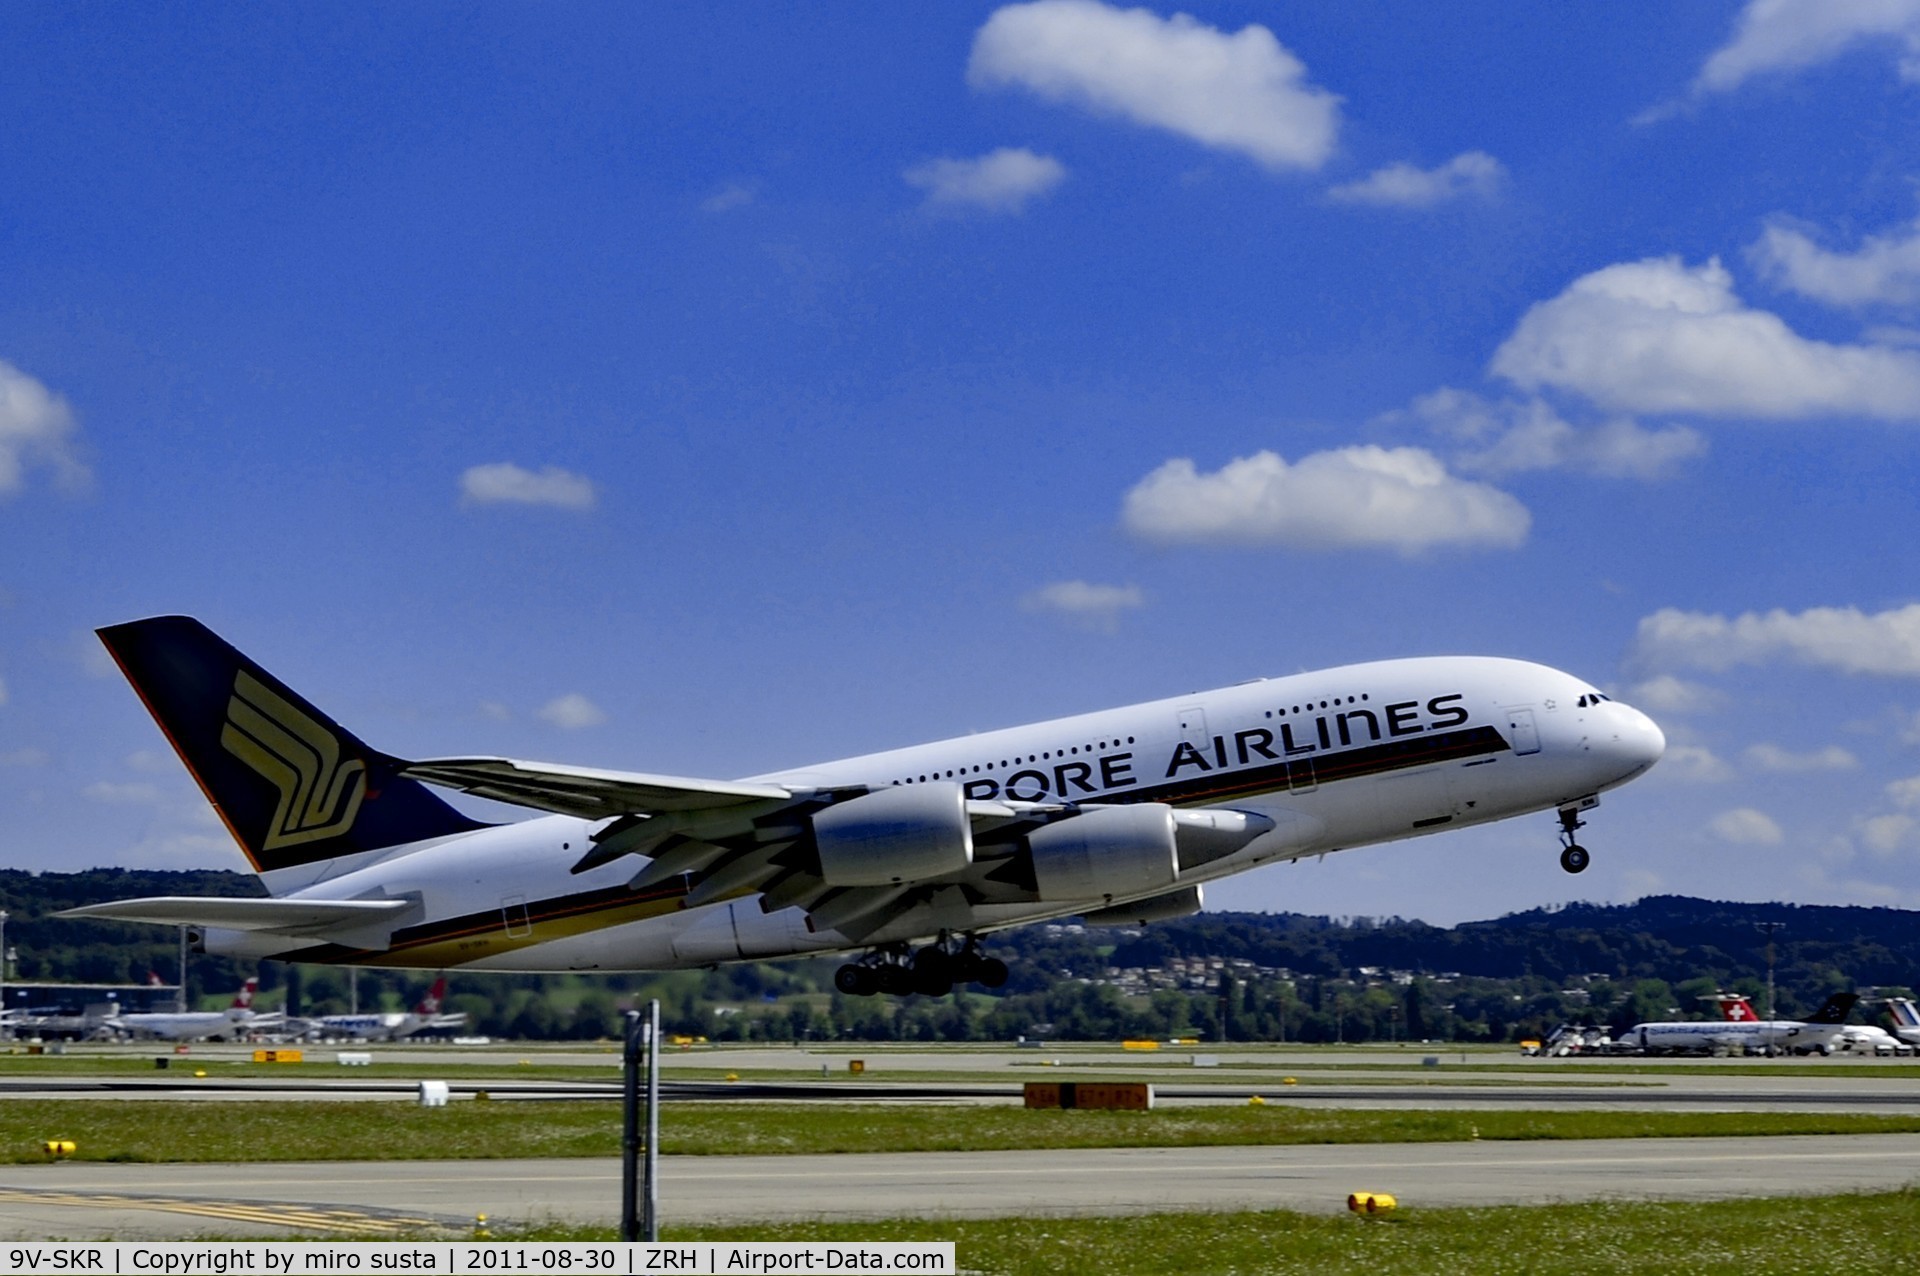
x=906, y=833
x=1104, y=852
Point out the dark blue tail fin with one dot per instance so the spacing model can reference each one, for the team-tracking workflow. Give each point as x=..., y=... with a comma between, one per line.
x=293, y=786
x=1835, y=1009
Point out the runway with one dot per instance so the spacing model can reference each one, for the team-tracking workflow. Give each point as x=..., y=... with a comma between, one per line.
x=1698, y=1092
x=88, y=1201
x=95, y=1200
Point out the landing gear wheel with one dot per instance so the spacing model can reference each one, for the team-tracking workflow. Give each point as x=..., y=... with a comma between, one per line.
x=932, y=973
x=990, y=973
x=1575, y=858
x=855, y=981
x=894, y=980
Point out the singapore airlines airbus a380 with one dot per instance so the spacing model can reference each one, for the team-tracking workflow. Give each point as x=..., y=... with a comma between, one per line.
x=904, y=857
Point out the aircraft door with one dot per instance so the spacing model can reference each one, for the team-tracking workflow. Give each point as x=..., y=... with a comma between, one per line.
x=1193, y=728
x=1522, y=732
x=513, y=913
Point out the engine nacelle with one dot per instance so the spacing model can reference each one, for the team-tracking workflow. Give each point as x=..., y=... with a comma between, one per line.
x=1106, y=852
x=1184, y=902
x=906, y=833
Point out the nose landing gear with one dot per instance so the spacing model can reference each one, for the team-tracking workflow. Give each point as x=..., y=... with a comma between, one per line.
x=1573, y=856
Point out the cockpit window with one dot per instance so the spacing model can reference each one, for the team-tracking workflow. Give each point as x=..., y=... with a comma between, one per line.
x=1591, y=698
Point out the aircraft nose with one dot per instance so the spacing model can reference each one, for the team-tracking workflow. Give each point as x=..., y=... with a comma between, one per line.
x=1638, y=742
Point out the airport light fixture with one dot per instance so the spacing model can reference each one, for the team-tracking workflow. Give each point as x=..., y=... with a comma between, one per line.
x=1767, y=929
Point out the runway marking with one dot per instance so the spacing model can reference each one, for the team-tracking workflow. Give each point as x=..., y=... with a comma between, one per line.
x=266, y=1213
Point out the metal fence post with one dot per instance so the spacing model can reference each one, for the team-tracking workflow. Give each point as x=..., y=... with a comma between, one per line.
x=653, y=1121
x=630, y=1134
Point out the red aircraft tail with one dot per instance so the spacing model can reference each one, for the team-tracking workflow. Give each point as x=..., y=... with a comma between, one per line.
x=430, y=1004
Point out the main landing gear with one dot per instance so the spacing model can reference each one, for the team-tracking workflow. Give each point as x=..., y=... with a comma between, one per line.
x=1573, y=856
x=931, y=971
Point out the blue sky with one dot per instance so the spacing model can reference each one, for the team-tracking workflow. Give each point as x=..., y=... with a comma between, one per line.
x=708, y=389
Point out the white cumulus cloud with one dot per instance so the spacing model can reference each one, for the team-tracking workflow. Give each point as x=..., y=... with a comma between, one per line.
x=1096, y=605
x=1693, y=764
x=1843, y=638
x=37, y=428
x=1353, y=498
x=1001, y=181
x=731, y=196
x=505, y=483
x=1243, y=92
x=1776, y=36
x=1511, y=436
x=1885, y=834
x=1659, y=336
x=1473, y=174
x=1884, y=269
x=1744, y=826
x=1664, y=693
x=1905, y=794
x=1889, y=832
x=572, y=712
x=1771, y=757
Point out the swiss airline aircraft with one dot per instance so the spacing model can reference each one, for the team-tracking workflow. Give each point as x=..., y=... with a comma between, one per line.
x=904, y=857
x=386, y=1025
x=1854, y=1038
x=1741, y=1031
x=195, y=1025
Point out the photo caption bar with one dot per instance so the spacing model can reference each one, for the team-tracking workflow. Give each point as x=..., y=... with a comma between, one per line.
x=471, y=1258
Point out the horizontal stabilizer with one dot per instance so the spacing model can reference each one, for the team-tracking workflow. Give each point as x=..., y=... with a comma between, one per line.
x=290, y=916
x=584, y=791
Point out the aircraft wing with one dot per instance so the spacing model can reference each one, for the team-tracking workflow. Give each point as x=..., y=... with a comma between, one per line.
x=293, y=916
x=584, y=791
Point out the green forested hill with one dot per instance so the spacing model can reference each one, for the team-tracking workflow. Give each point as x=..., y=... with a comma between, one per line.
x=1663, y=937
x=59, y=951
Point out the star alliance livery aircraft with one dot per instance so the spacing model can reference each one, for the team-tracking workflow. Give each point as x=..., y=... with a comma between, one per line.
x=904, y=857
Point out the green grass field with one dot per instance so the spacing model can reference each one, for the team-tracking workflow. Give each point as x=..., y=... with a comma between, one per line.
x=213, y=1130
x=1734, y=1238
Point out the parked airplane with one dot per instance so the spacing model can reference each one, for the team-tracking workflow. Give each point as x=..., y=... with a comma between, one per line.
x=195, y=1025
x=1866, y=1038
x=1853, y=1038
x=1821, y=1033
x=387, y=1026
x=1119, y=816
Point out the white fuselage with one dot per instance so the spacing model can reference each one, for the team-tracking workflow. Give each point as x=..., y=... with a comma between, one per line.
x=190, y=1025
x=1336, y=759
x=391, y=1026
x=1868, y=1039
x=1750, y=1036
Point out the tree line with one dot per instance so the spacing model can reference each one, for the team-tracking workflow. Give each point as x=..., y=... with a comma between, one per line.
x=1264, y=976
